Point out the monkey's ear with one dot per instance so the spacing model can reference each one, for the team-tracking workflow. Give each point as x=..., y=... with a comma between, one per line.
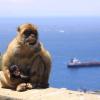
x=18, y=29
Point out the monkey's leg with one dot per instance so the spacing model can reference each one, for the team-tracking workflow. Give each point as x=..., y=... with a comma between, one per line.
x=41, y=70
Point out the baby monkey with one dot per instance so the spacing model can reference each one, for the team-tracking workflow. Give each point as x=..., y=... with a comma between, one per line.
x=16, y=73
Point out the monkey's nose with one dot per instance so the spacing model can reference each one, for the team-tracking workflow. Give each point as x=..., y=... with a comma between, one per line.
x=32, y=35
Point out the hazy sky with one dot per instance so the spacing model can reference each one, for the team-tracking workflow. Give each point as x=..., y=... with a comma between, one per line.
x=31, y=8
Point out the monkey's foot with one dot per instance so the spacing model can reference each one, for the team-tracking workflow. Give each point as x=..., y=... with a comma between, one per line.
x=21, y=87
x=29, y=86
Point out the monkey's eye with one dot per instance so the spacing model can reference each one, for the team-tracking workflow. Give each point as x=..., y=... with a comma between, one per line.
x=28, y=32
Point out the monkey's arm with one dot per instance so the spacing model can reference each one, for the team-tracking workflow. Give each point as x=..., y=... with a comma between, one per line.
x=5, y=68
x=47, y=61
x=41, y=70
x=6, y=62
x=6, y=80
x=5, y=77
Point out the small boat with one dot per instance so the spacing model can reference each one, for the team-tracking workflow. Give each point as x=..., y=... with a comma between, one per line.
x=76, y=63
x=61, y=31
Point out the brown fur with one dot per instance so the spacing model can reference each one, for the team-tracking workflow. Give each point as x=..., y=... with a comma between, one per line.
x=33, y=61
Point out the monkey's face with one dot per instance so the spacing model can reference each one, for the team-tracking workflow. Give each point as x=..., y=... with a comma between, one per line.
x=28, y=34
x=14, y=71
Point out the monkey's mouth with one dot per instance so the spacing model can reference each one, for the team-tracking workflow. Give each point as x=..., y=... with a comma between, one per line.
x=32, y=43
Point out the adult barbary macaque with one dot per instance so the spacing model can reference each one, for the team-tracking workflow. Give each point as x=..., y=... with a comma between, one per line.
x=26, y=64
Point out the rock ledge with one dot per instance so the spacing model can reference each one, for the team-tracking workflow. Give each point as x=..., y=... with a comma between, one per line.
x=46, y=94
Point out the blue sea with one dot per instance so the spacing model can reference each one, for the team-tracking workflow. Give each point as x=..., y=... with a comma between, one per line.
x=65, y=38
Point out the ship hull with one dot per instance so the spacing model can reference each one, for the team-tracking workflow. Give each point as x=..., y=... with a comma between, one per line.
x=84, y=64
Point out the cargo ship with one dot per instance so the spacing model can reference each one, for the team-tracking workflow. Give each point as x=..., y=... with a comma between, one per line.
x=77, y=63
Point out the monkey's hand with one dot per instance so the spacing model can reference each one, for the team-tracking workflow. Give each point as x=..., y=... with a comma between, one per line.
x=24, y=76
x=21, y=87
